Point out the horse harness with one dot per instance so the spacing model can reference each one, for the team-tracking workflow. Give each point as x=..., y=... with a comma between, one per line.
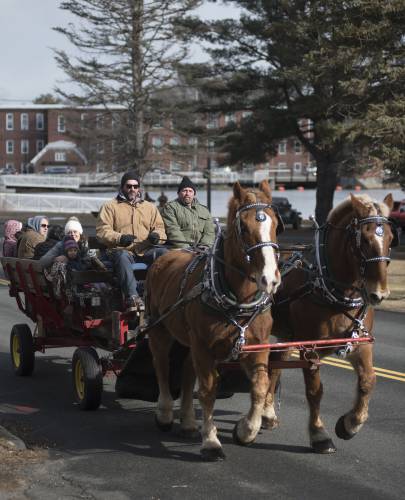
x=211, y=287
x=319, y=281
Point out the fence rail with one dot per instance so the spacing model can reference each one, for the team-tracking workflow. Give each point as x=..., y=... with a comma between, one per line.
x=40, y=203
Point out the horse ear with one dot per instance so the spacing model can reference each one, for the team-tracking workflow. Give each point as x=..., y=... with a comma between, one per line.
x=238, y=191
x=358, y=205
x=389, y=201
x=265, y=187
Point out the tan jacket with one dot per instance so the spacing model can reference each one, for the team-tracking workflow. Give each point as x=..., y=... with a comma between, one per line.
x=27, y=242
x=118, y=217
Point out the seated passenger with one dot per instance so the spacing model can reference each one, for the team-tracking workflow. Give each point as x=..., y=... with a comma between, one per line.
x=129, y=226
x=55, y=234
x=71, y=251
x=187, y=222
x=73, y=229
x=34, y=232
x=11, y=230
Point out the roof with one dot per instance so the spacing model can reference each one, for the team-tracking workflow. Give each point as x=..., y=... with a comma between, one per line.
x=57, y=145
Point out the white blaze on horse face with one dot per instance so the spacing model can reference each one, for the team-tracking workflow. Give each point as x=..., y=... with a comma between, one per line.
x=270, y=279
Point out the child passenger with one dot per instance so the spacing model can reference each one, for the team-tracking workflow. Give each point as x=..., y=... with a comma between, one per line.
x=71, y=251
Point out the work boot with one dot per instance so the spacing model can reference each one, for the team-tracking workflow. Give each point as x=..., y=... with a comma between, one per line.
x=135, y=303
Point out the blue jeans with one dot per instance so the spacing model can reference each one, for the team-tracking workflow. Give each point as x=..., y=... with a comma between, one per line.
x=122, y=261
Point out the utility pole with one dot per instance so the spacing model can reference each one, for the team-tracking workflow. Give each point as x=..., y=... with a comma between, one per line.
x=208, y=174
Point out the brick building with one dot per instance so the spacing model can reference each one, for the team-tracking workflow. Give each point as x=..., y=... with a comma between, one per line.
x=37, y=138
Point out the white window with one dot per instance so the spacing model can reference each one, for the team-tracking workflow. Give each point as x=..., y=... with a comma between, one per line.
x=298, y=167
x=39, y=118
x=282, y=147
x=100, y=148
x=25, y=147
x=281, y=166
x=193, y=141
x=211, y=145
x=157, y=124
x=60, y=156
x=9, y=147
x=297, y=147
x=9, y=121
x=40, y=145
x=230, y=118
x=212, y=120
x=9, y=166
x=157, y=143
x=175, y=141
x=61, y=123
x=99, y=120
x=24, y=121
x=175, y=166
x=246, y=114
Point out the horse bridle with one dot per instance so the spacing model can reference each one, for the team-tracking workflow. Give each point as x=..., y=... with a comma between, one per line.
x=355, y=228
x=260, y=217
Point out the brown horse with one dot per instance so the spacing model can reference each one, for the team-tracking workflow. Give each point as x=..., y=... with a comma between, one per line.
x=214, y=303
x=328, y=296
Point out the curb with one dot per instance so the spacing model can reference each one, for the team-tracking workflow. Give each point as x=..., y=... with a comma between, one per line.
x=12, y=440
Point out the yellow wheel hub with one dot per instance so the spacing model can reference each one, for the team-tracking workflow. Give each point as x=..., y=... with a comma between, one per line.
x=79, y=380
x=16, y=351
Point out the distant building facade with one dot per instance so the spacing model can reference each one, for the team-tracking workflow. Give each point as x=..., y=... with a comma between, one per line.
x=40, y=138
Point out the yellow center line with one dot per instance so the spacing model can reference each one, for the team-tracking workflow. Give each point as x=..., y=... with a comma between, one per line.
x=4, y=282
x=380, y=372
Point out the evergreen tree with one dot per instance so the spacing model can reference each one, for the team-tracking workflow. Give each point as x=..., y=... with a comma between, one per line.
x=128, y=51
x=338, y=63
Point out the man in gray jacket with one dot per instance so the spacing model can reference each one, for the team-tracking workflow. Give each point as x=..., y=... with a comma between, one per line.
x=187, y=222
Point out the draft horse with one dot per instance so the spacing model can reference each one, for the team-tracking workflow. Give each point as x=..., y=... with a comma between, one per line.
x=214, y=303
x=329, y=295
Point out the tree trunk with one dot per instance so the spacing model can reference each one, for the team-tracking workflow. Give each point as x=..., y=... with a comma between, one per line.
x=326, y=185
x=137, y=79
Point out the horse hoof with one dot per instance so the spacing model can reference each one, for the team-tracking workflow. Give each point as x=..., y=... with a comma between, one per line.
x=190, y=433
x=163, y=427
x=270, y=424
x=324, y=447
x=237, y=439
x=212, y=454
x=341, y=431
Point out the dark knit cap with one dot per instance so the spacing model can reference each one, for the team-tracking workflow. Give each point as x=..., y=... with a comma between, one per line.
x=70, y=243
x=186, y=182
x=131, y=175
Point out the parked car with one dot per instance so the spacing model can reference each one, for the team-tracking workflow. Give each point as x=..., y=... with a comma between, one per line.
x=288, y=214
x=398, y=213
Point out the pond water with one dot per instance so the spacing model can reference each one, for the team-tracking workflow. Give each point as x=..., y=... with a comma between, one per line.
x=303, y=201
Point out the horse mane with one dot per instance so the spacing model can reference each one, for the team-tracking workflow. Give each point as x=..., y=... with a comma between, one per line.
x=345, y=207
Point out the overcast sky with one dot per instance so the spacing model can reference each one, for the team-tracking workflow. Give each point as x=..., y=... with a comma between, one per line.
x=28, y=68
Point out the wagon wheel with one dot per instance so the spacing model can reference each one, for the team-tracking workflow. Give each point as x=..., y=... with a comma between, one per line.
x=87, y=378
x=22, y=350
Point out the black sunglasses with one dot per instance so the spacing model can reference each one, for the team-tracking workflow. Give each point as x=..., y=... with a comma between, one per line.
x=44, y=225
x=132, y=186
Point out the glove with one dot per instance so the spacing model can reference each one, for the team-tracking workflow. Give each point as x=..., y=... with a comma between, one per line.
x=154, y=238
x=126, y=240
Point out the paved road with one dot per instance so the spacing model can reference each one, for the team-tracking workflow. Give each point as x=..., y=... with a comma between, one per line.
x=117, y=453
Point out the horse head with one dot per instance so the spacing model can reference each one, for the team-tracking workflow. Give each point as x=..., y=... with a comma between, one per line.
x=253, y=225
x=370, y=237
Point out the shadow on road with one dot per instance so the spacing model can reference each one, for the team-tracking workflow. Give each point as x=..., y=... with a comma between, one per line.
x=42, y=406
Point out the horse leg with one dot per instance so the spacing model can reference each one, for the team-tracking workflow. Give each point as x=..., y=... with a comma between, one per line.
x=160, y=342
x=270, y=420
x=349, y=424
x=319, y=437
x=188, y=423
x=204, y=364
x=256, y=366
